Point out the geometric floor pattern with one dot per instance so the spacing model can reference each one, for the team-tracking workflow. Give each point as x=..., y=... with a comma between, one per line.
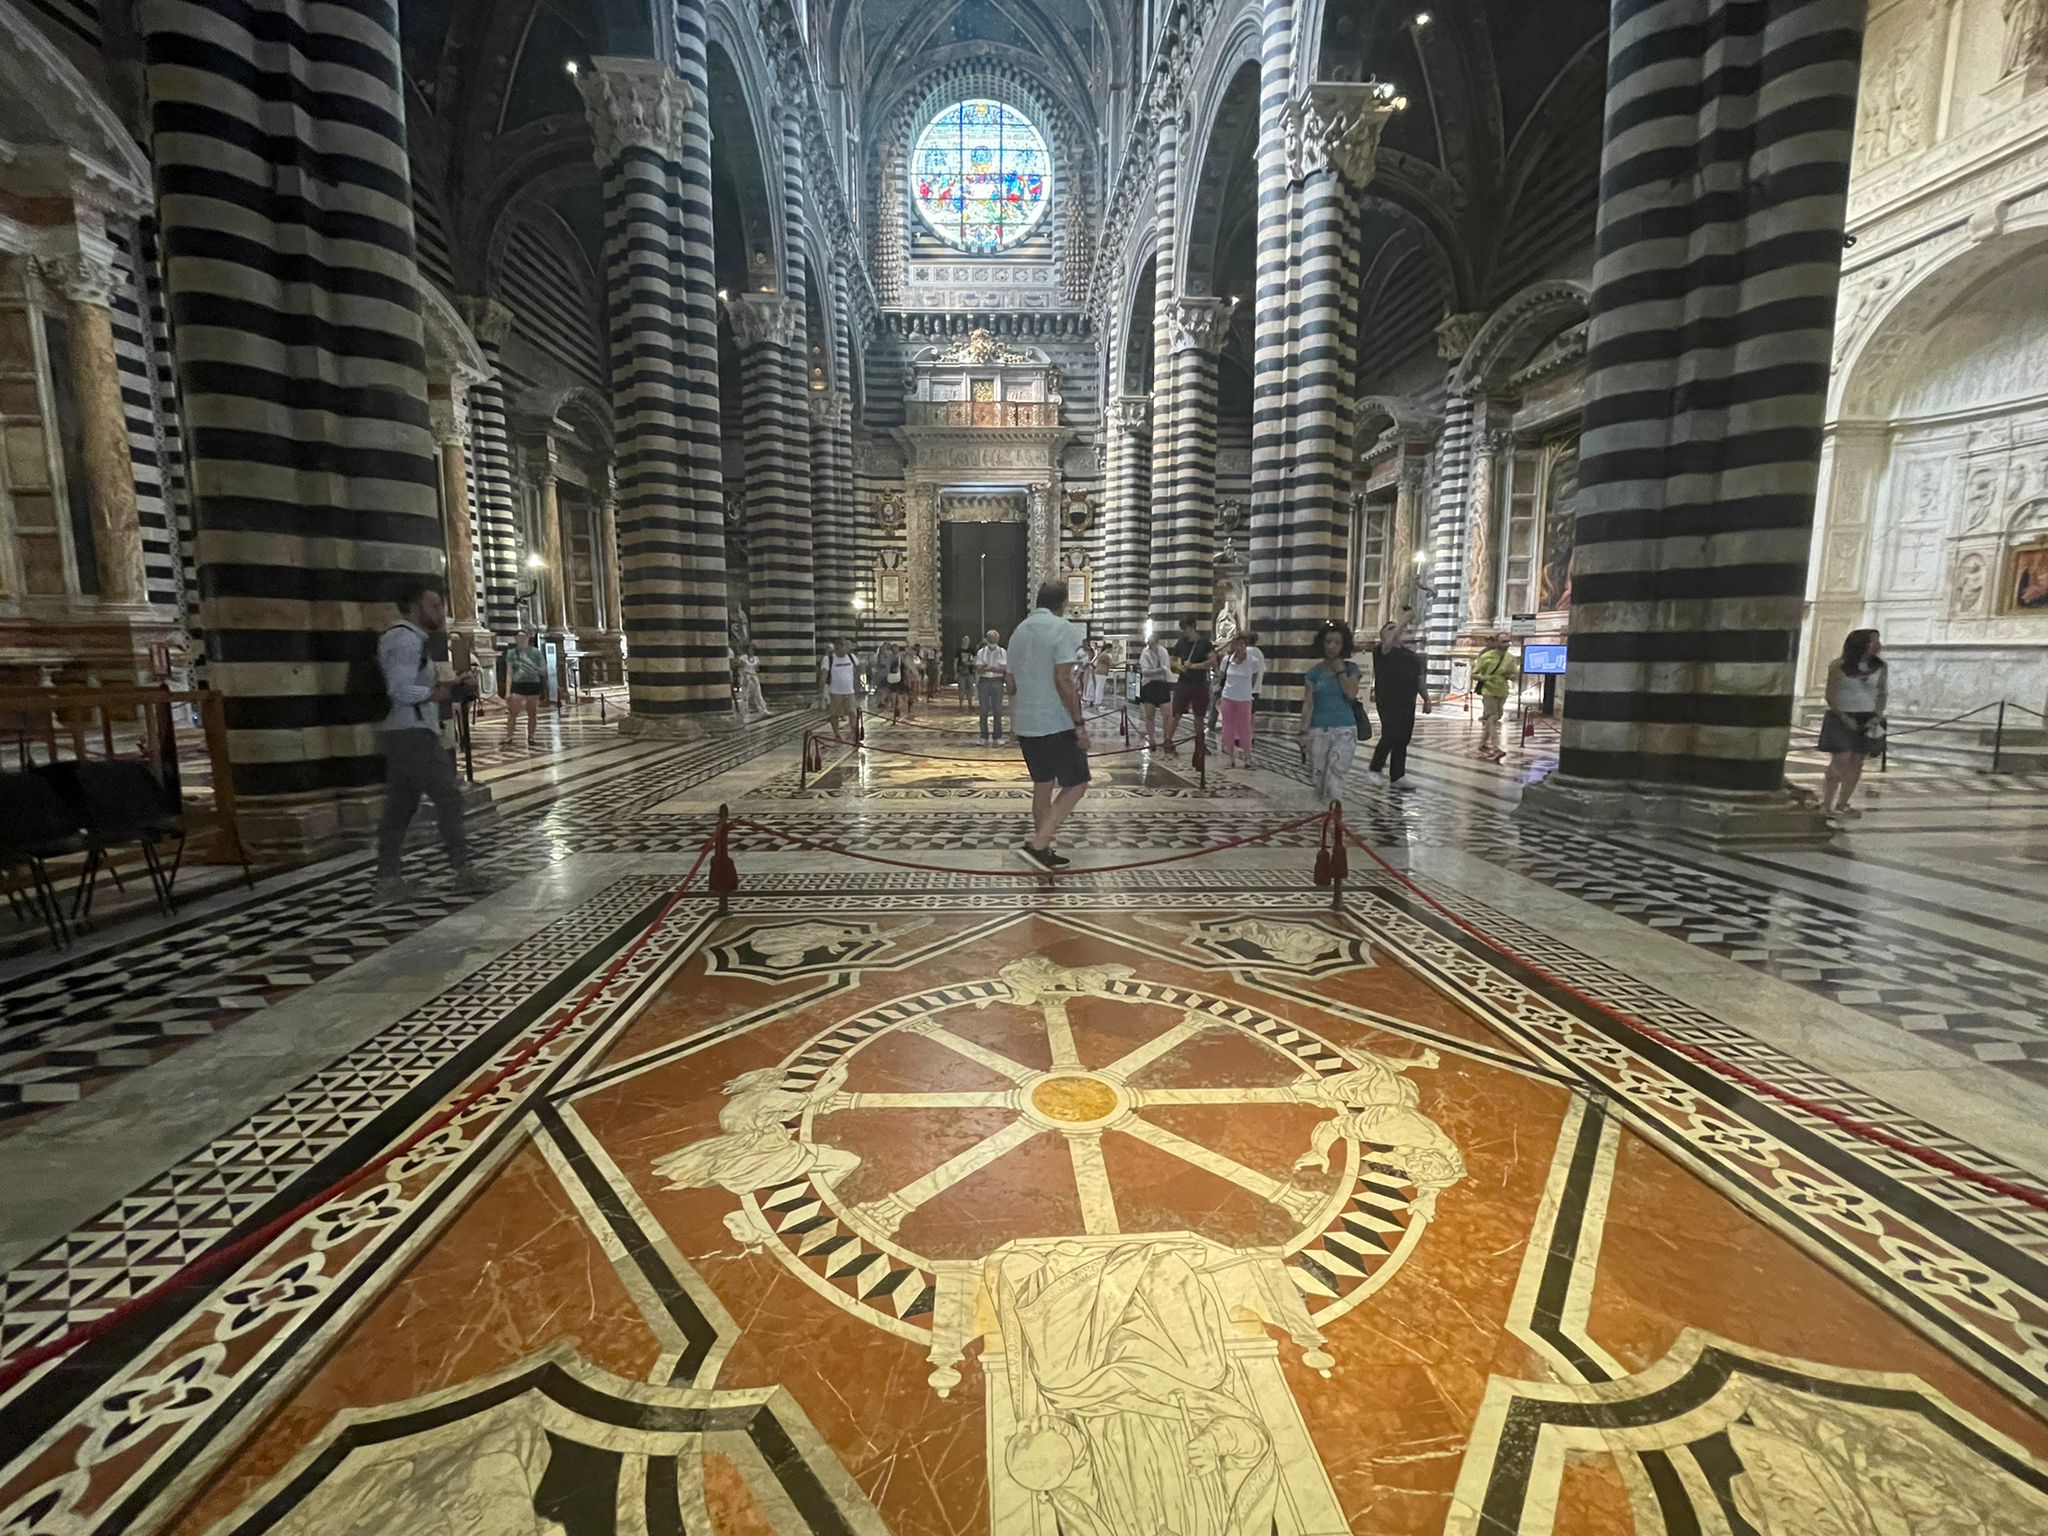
x=906, y=1199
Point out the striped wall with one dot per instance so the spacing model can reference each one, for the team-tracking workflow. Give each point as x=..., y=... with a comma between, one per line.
x=545, y=284
x=300, y=367
x=654, y=143
x=1728, y=131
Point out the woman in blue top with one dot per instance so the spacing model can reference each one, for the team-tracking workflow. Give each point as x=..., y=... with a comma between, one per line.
x=1329, y=726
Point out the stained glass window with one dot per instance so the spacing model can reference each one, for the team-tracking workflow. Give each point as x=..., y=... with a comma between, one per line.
x=981, y=175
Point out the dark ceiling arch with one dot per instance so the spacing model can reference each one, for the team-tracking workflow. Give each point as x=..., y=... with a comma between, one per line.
x=1221, y=167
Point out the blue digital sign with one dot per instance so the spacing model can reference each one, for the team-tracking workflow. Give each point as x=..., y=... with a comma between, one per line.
x=1543, y=660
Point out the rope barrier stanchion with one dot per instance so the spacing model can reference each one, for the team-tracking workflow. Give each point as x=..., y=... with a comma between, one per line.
x=803, y=767
x=1862, y=1130
x=1340, y=860
x=17, y=1368
x=725, y=875
x=1200, y=756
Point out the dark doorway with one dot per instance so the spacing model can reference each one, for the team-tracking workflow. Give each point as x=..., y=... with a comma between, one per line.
x=971, y=586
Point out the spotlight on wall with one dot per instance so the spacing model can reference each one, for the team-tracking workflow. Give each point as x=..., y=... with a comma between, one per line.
x=1400, y=103
x=535, y=563
x=859, y=604
x=723, y=295
x=571, y=66
x=1422, y=19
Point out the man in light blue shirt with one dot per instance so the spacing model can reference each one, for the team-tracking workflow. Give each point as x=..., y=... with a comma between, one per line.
x=1045, y=717
x=415, y=761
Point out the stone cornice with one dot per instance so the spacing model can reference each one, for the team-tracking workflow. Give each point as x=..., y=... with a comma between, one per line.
x=634, y=104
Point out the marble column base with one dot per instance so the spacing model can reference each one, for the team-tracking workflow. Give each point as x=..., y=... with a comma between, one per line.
x=678, y=727
x=298, y=829
x=1688, y=815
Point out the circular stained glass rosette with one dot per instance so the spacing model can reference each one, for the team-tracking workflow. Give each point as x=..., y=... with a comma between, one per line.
x=981, y=176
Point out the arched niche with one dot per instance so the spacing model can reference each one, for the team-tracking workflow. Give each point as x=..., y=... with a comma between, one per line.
x=1932, y=510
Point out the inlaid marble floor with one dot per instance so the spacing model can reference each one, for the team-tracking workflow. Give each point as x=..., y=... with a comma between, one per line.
x=1173, y=1200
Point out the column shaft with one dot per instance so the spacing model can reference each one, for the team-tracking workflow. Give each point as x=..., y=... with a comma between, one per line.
x=497, y=510
x=455, y=530
x=300, y=359
x=653, y=150
x=1705, y=391
x=1127, y=522
x=1482, y=555
x=1184, y=520
x=1165, y=293
x=1447, y=523
x=1272, y=362
x=775, y=427
x=554, y=549
x=109, y=490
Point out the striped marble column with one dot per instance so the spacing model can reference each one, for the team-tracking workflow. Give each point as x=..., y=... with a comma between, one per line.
x=300, y=363
x=1728, y=130
x=847, y=576
x=1127, y=520
x=1300, y=545
x=1165, y=291
x=832, y=511
x=653, y=151
x=1444, y=570
x=1183, y=565
x=490, y=435
x=1272, y=361
x=775, y=428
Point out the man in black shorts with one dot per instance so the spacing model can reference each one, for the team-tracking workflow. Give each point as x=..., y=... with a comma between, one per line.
x=1193, y=656
x=1045, y=717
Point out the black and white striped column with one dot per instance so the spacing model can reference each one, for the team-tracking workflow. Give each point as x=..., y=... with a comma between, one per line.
x=838, y=587
x=1300, y=547
x=1272, y=314
x=832, y=512
x=775, y=428
x=1184, y=451
x=1165, y=291
x=300, y=364
x=1444, y=569
x=1127, y=521
x=1723, y=183
x=491, y=461
x=653, y=151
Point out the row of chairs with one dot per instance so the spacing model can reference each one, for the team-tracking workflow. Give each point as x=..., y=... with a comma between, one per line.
x=89, y=809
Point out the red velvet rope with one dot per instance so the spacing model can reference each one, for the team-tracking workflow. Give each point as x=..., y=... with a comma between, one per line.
x=1863, y=1130
x=212, y=1263
x=1024, y=874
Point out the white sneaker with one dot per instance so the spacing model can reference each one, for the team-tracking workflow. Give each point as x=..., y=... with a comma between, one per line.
x=1376, y=775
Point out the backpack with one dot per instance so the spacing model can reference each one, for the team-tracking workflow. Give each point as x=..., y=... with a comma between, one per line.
x=367, y=700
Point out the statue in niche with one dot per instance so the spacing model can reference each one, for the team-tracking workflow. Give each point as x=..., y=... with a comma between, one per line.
x=1980, y=497
x=2026, y=35
x=1970, y=584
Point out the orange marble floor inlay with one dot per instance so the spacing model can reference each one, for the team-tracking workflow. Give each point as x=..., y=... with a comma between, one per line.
x=1034, y=1226
x=1074, y=1100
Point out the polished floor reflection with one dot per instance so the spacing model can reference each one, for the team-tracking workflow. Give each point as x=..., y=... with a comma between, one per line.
x=933, y=1200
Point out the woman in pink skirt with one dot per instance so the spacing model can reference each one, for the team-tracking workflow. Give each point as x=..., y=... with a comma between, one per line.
x=1243, y=669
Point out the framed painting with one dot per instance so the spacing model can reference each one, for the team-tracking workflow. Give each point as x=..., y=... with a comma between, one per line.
x=2027, y=588
x=889, y=589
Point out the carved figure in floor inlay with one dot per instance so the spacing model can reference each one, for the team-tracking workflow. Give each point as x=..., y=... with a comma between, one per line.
x=476, y=1482
x=757, y=1149
x=1812, y=1467
x=1128, y=1416
x=1376, y=1103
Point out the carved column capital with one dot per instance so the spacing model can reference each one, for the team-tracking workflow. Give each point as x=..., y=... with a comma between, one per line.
x=831, y=409
x=81, y=279
x=1455, y=333
x=1199, y=324
x=1132, y=414
x=763, y=319
x=488, y=320
x=633, y=104
x=1413, y=471
x=450, y=417
x=1335, y=126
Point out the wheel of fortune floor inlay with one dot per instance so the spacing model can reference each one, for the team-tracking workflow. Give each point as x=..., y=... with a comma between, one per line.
x=1184, y=1298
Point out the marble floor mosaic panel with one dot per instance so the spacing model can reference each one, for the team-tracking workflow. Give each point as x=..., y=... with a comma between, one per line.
x=1048, y=1217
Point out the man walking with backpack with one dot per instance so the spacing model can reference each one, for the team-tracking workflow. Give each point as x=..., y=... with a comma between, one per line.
x=415, y=760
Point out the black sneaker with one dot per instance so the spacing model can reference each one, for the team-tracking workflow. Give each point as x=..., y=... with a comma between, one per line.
x=1057, y=860
x=1037, y=856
